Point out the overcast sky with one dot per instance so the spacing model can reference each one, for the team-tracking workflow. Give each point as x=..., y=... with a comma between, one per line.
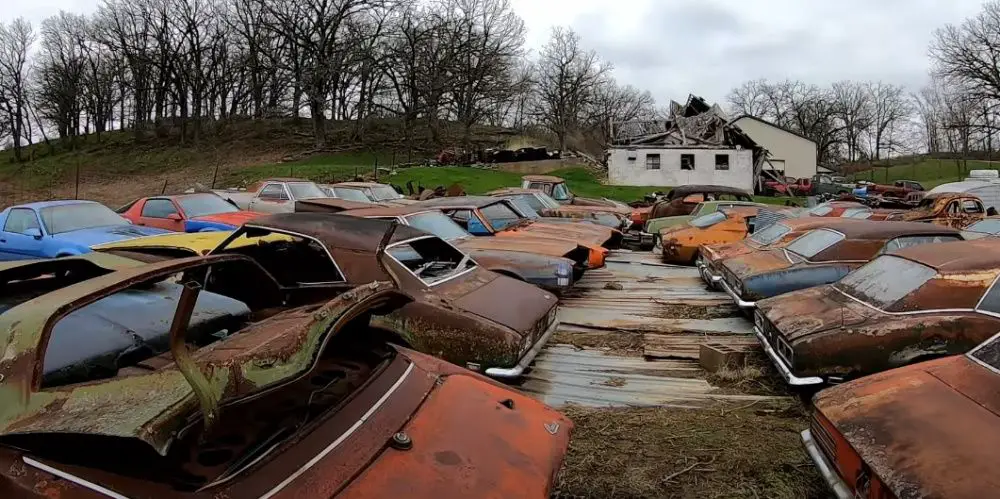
x=675, y=47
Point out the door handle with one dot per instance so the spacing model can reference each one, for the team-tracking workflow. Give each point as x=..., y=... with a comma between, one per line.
x=3, y=240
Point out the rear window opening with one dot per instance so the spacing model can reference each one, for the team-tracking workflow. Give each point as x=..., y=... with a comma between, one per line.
x=430, y=259
x=813, y=243
x=247, y=434
x=22, y=284
x=293, y=261
x=709, y=220
x=770, y=234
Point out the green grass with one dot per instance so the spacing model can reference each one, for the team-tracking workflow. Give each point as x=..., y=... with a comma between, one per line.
x=929, y=172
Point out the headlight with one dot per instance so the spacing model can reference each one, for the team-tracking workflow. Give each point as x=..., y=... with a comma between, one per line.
x=564, y=273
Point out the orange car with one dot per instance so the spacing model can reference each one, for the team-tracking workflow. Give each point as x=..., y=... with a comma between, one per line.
x=497, y=217
x=680, y=244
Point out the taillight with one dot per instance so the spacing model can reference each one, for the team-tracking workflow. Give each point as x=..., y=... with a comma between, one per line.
x=846, y=461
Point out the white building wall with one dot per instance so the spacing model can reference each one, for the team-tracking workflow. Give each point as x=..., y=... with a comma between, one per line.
x=797, y=155
x=629, y=167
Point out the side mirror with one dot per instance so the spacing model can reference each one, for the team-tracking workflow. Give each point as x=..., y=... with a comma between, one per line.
x=175, y=217
x=34, y=232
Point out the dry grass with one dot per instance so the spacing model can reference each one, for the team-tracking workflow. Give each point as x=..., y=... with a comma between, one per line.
x=755, y=377
x=725, y=451
x=623, y=343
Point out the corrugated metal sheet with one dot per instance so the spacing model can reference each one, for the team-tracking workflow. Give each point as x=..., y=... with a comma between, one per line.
x=668, y=307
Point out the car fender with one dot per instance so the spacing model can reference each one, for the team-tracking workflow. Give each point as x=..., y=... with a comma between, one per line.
x=192, y=225
x=522, y=265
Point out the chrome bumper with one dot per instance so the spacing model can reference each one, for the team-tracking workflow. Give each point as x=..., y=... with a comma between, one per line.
x=783, y=369
x=736, y=298
x=710, y=279
x=833, y=480
x=529, y=357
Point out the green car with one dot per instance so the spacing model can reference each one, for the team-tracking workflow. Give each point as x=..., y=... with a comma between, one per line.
x=704, y=208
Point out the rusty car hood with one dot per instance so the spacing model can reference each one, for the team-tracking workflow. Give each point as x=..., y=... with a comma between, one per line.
x=569, y=210
x=506, y=453
x=501, y=299
x=586, y=233
x=524, y=243
x=799, y=314
x=716, y=252
x=927, y=430
x=757, y=262
x=150, y=407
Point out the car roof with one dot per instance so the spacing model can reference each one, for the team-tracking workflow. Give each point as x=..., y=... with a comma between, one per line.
x=740, y=211
x=687, y=190
x=948, y=195
x=542, y=178
x=878, y=230
x=960, y=256
x=335, y=230
x=461, y=201
x=390, y=211
x=511, y=191
x=357, y=184
x=45, y=204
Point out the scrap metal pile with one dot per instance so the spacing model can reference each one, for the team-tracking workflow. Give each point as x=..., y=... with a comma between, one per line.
x=303, y=340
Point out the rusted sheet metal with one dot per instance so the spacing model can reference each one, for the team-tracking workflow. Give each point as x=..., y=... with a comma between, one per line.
x=688, y=346
x=565, y=375
x=945, y=209
x=675, y=203
x=680, y=244
x=878, y=427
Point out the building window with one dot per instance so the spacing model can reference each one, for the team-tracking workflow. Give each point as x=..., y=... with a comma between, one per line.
x=721, y=161
x=652, y=161
x=687, y=161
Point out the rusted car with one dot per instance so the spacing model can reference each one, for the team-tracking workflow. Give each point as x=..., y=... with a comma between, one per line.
x=683, y=200
x=679, y=245
x=493, y=217
x=655, y=225
x=252, y=389
x=821, y=256
x=909, y=306
x=949, y=209
x=456, y=314
x=776, y=235
x=849, y=209
x=548, y=208
x=374, y=191
x=927, y=430
x=987, y=227
x=545, y=263
x=557, y=188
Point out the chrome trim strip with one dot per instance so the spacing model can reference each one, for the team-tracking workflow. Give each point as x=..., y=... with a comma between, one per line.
x=73, y=478
x=312, y=462
x=783, y=370
x=833, y=480
x=529, y=357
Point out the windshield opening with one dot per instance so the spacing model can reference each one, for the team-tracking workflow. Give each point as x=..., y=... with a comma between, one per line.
x=385, y=193
x=531, y=201
x=350, y=195
x=79, y=216
x=522, y=205
x=770, y=234
x=812, y=243
x=547, y=200
x=991, y=226
x=431, y=259
x=821, y=210
x=200, y=205
x=439, y=224
x=858, y=213
x=500, y=216
x=885, y=280
x=305, y=190
x=560, y=192
x=274, y=250
x=708, y=220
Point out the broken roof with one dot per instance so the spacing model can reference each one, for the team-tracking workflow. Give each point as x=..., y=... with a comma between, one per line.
x=694, y=124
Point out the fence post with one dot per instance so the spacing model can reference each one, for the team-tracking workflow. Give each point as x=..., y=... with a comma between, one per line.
x=76, y=194
x=215, y=174
x=376, y=168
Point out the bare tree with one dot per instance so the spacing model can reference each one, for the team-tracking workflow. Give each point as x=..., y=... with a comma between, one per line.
x=567, y=79
x=15, y=40
x=853, y=108
x=967, y=54
x=890, y=107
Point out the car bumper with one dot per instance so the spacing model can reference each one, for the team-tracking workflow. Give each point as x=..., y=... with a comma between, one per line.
x=637, y=239
x=783, y=369
x=554, y=284
x=529, y=357
x=710, y=279
x=736, y=298
x=833, y=480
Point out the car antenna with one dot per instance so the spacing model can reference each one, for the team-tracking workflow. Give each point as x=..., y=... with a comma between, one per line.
x=207, y=398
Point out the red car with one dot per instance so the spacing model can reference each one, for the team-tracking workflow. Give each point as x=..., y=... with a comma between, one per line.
x=198, y=212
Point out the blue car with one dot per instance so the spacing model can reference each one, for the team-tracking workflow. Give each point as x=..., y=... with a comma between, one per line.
x=50, y=229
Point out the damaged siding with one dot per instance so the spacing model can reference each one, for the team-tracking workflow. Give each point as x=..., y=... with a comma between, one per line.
x=628, y=166
x=796, y=155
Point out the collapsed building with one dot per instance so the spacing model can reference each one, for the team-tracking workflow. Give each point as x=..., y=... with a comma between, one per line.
x=696, y=144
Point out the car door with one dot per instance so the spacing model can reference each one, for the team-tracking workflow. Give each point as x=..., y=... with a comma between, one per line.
x=161, y=213
x=22, y=235
x=272, y=198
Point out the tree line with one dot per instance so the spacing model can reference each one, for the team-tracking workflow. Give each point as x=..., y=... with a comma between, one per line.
x=135, y=64
x=956, y=112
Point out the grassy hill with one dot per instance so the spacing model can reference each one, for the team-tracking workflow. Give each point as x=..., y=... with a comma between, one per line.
x=928, y=171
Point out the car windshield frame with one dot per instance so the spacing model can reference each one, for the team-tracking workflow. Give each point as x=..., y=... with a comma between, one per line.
x=814, y=234
x=305, y=190
x=524, y=207
x=563, y=189
x=184, y=201
x=709, y=220
x=470, y=263
x=46, y=214
x=756, y=240
x=547, y=200
x=898, y=269
x=988, y=221
x=350, y=195
x=493, y=220
x=448, y=225
x=384, y=193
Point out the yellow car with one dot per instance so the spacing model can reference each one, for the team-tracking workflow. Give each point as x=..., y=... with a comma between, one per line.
x=679, y=244
x=179, y=244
